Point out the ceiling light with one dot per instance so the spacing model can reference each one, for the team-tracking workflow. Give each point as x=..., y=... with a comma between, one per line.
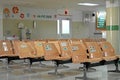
x=87, y=4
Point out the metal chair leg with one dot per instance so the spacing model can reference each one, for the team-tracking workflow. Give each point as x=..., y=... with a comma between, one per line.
x=29, y=69
x=117, y=68
x=89, y=69
x=63, y=66
x=56, y=71
x=41, y=64
x=84, y=77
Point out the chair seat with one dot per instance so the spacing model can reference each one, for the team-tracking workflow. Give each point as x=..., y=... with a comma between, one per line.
x=62, y=58
x=95, y=60
x=110, y=58
x=56, y=58
x=79, y=58
x=118, y=56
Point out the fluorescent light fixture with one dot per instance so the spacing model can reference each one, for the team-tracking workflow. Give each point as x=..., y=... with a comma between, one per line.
x=87, y=4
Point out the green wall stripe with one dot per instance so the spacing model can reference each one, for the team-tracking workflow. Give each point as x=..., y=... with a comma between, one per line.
x=113, y=27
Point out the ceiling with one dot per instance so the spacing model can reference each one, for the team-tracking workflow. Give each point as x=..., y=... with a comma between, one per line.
x=55, y=4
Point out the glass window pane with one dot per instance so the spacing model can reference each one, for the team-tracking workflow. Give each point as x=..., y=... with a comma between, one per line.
x=58, y=26
x=65, y=27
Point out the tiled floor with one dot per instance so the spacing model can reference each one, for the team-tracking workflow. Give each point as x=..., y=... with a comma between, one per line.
x=20, y=71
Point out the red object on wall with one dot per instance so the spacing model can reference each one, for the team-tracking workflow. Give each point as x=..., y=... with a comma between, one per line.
x=66, y=12
x=22, y=16
x=15, y=10
x=34, y=16
x=55, y=16
x=6, y=12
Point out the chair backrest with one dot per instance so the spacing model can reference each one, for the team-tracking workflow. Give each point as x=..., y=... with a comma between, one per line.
x=33, y=50
x=15, y=47
x=101, y=39
x=50, y=51
x=56, y=43
x=23, y=49
x=6, y=48
x=78, y=41
x=94, y=50
x=87, y=40
x=38, y=44
x=107, y=48
x=74, y=41
x=79, y=53
x=65, y=48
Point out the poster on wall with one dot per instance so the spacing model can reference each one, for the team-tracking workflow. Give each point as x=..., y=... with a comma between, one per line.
x=16, y=12
x=6, y=12
x=101, y=21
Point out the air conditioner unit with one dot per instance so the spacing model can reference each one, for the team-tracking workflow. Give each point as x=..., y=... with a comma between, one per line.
x=88, y=16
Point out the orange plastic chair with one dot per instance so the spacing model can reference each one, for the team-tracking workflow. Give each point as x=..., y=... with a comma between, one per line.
x=52, y=54
x=23, y=49
x=108, y=51
x=65, y=48
x=109, y=55
x=94, y=52
x=80, y=55
x=38, y=45
x=6, y=49
x=56, y=43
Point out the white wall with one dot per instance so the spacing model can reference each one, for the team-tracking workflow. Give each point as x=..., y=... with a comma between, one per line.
x=41, y=14
x=79, y=31
x=1, y=23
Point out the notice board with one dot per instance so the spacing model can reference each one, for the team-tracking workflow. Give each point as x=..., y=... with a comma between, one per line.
x=101, y=21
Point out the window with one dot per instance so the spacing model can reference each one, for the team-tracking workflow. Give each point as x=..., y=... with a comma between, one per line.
x=63, y=26
x=58, y=26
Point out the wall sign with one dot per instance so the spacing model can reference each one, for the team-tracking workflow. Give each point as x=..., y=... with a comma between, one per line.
x=101, y=20
x=15, y=12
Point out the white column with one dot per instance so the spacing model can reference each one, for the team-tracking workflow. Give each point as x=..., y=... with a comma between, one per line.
x=112, y=23
x=119, y=24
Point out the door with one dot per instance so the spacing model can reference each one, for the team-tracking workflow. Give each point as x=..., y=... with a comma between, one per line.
x=64, y=28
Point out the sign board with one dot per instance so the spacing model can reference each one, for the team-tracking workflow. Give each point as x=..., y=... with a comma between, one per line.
x=101, y=21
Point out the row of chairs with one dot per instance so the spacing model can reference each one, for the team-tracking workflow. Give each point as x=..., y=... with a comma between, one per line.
x=88, y=52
